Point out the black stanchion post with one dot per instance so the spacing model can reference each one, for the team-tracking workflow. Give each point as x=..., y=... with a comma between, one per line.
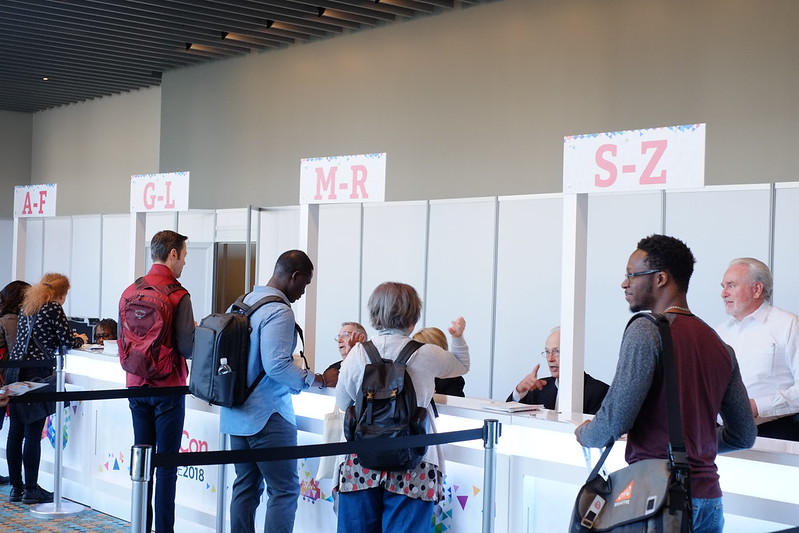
x=140, y=472
x=221, y=489
x=491, y=432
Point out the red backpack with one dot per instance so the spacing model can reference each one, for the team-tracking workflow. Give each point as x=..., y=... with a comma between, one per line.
x=145, y=319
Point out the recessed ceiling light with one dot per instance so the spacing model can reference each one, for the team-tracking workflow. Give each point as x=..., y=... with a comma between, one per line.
x=45, y=78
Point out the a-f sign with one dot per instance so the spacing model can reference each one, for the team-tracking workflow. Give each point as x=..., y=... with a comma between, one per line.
x=35, y=200
x=340, y=179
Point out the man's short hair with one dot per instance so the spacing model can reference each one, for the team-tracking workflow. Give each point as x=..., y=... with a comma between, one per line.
x=293, y=261
x=670, y=255
x=357, y=325
x=394, y=305
x=758, y=271
x=164, y=242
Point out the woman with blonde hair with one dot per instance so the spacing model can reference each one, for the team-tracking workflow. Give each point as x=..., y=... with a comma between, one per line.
x=448, y=386
x=373, y=501
x=42, y=330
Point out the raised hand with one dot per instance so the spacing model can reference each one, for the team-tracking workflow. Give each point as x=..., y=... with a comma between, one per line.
x=457, y=327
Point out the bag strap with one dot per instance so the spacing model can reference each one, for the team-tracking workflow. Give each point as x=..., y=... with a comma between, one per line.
x=680, y=493
x=166, y=290
x=678, y=456
x=247, y=310
x=407, y=351
x=371, y=351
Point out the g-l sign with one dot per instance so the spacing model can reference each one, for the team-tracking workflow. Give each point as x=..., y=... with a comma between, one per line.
x=35, y=200
x=341, y=179
x=159, y=192
x=671, y=157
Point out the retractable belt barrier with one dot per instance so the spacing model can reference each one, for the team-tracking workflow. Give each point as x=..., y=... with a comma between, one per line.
x=143, y=461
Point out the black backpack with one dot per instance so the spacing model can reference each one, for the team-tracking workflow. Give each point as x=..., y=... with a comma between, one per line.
x=387, y=409
x=225, y=335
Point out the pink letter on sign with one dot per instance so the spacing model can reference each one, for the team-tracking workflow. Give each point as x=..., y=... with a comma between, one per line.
x=358, y=183
x=149, y=203
x=325, y=183
x=660, y=146
x=42, y=196
x=606, y=165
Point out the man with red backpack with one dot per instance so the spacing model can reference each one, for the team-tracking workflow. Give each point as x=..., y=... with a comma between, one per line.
x=156, y=336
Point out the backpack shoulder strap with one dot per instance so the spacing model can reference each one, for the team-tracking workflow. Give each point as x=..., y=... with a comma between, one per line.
x=166, y=290
x=407, y=351
x=247, y=310
x=371, y=351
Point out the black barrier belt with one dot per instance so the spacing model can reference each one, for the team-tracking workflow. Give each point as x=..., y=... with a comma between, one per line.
x=27, y=363
x=313, y=450
x=109, y=394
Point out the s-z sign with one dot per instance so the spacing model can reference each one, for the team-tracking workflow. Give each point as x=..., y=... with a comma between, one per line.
x=657, y=158
x=342, y=179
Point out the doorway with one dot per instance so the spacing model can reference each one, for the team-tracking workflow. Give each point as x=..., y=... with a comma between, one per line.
x=230, y=269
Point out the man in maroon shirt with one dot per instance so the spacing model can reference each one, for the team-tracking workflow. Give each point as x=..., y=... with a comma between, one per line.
x=708, y=380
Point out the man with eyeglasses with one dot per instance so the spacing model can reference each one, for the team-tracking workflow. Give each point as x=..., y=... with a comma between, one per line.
x=350, y=334
x=534, y=391
x=708, y=380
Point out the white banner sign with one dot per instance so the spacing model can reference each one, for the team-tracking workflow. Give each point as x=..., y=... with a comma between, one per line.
x=35, y=200
x=671, y=157
x=345, y=178
x=159, y=192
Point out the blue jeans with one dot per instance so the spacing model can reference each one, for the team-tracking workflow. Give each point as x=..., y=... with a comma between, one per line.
x=158, y=421
x=708, y=515
x=378, y=510
x=282, y=481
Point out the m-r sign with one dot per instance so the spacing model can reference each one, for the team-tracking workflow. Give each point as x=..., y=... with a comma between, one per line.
x=670, y=157
x=343, y=179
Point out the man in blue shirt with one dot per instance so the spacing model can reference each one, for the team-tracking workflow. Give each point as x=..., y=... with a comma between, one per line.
x=267, y=418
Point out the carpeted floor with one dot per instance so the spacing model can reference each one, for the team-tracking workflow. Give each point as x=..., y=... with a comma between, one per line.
x=17, y=518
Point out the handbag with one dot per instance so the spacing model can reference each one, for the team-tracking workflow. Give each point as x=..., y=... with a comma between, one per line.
x=333, y=431
x=652, y=495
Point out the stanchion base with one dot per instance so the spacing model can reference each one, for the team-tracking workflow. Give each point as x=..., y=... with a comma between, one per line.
x=50, y=510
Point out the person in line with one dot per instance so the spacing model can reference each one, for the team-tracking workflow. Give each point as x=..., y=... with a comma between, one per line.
x=42, y=331
x=766, y=341
x=10, y=301
x=267, y=418
x=534, y=391
x=448, y=386
x=371, y=501
x=105, y=330
x=350, y=334
x=708, y=380
x=158, y=420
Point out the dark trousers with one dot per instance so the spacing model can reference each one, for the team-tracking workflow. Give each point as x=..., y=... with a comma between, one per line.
x=158, y=421
x=24, y=448
x=785, y=428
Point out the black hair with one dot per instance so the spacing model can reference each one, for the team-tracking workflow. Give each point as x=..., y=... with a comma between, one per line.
x=11, y=297
x=671, y=255
x=294, y=261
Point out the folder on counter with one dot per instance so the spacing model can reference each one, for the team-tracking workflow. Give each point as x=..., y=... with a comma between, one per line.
x=510, y=407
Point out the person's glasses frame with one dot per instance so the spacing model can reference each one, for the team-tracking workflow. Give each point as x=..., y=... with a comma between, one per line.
x=630, y=275
x=554, y=352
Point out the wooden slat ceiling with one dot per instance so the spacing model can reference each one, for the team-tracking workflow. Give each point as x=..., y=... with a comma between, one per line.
x=58, y=52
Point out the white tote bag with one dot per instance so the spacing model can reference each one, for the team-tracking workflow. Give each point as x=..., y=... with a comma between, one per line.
x=333, y=432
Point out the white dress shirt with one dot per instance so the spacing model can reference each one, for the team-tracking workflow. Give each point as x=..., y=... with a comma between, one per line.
x=766, y=344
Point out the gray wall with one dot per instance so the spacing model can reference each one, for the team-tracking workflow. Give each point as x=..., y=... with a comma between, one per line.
x=469, y=103
x=476, y=102
x=15, y=156
x=91, y=149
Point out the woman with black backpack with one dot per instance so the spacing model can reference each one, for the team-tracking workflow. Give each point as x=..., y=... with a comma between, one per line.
x=374, y=499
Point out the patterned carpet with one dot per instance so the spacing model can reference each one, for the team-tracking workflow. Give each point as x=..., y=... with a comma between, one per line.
x=17, y=518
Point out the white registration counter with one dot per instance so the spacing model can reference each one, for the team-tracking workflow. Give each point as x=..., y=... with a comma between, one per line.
x=539, y=465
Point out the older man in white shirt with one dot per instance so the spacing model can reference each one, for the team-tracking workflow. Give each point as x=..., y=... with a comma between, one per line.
x=766, y=341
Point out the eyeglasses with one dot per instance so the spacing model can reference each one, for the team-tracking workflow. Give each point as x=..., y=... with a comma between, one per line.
x=108, y=336
x=630, y=275
x=555, y=352
x=342, y=336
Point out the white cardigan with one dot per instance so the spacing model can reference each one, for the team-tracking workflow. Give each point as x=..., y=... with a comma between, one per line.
x=428, y=363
